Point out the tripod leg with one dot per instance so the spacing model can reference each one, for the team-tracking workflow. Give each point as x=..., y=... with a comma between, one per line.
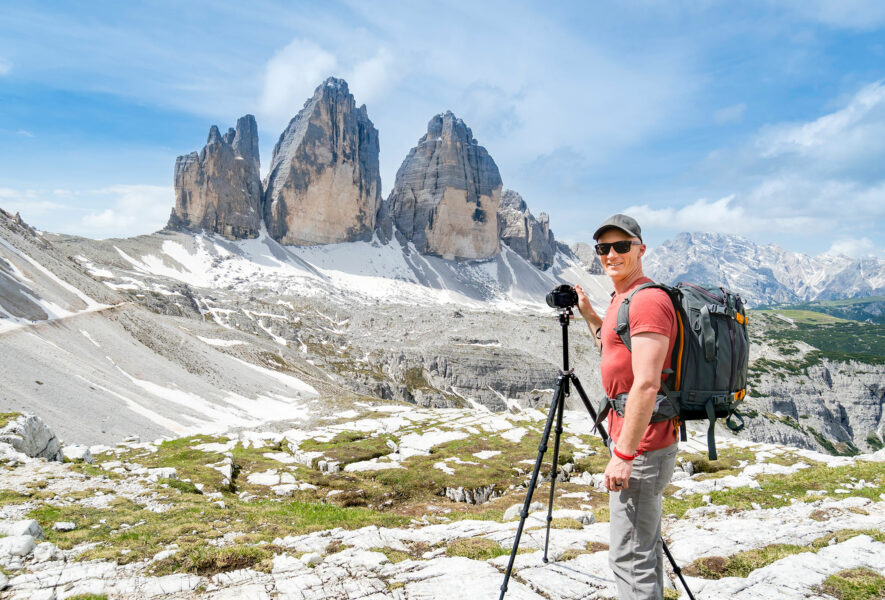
x=677, y=570
x=589, y=407
x=558, y=400
x=554, y=471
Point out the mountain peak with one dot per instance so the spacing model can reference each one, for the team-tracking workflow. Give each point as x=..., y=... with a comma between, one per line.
x=447, y=192
x=219, y=189
x=324, y=184
x=446, y=126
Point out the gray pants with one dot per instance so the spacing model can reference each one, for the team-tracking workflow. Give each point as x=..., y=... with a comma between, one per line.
x=635, y=551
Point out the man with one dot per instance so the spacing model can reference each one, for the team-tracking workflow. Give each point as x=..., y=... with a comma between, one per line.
x=644, y=453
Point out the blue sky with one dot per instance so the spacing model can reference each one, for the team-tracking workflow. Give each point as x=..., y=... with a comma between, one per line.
x=765, y=119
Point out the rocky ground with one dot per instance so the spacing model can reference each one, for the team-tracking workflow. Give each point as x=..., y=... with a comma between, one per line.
x=395, y=501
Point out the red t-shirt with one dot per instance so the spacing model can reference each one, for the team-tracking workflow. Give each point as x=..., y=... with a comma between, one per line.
x=651, y=311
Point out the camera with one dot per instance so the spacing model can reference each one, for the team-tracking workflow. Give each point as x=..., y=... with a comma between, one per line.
x=562, y=296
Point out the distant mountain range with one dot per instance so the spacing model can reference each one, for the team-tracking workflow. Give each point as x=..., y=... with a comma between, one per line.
x=763, y=274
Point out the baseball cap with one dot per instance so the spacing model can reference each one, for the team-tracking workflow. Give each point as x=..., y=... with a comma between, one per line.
x=622, y=222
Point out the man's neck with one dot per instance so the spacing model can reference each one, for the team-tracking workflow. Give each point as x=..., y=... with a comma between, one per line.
x=624, y=284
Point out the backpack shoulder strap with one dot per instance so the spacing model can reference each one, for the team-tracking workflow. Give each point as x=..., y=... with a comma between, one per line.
x=622, y=328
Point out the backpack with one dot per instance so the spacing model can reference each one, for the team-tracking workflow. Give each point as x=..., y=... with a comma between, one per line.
x=708, y=374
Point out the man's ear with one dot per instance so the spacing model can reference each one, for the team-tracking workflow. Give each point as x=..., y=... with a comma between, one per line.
x=641, y=250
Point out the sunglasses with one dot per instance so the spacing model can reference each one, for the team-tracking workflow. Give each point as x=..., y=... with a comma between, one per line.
x=621, y=247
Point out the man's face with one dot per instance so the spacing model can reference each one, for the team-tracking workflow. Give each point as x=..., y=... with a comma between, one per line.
x=620, y=266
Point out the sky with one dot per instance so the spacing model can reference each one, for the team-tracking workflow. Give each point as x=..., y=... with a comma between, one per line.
x=759, y=118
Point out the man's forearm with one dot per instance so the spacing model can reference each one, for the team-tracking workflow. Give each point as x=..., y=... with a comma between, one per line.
x=594, y=322
x=637, y=415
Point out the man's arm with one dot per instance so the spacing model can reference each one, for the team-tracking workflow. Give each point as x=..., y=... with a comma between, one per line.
x=649, y=350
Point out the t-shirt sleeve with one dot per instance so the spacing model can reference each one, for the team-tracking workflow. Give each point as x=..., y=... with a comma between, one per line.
x=651, y=311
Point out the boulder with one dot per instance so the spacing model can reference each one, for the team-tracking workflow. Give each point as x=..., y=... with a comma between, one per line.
x=77, y=453
x=15, y=546
x=324, y=184
x=162, y=473
x=529, y=237
x=64, y=526
x=47, y=552
x=27, y=527
x=515, y=510
x=447, y=192
x=29, y=435
x=219, y=189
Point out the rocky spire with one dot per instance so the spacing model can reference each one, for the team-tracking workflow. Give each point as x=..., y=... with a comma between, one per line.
x=324, y=184
x=529, y=237
x=219, y=189
x=446, y=195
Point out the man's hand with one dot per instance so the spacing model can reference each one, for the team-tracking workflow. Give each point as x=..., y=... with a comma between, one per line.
x=617, y=474
x=584, y=306
x=594, y=321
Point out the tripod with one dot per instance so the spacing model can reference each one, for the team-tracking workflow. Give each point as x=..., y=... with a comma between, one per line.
x=566, y=379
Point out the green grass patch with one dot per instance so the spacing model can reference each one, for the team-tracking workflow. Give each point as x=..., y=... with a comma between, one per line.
x=855, y=584
x=836, y=339
x=420, y=482
x=184, y=486
x=349, y=447
x=88, y=597
x=777, y=490
x=5, y=418
x=875, y=441
x=416, y=550
x=744, y=563
x=127, y=532
x=477, y=548
x=589, y=548
x=206, y=560
x=10, y=497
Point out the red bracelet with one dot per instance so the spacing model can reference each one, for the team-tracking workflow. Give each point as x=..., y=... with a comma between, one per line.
x=623, y=456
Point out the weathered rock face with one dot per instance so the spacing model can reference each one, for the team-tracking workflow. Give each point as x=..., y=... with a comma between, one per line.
x=529, y=237
x=587, y=255
x=829, y=405
x=324, y=185
x=447, y=192
x=219, y=189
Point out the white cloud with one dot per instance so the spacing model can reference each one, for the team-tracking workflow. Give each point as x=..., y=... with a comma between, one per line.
x=371, y=78
x=719, y=216
x=819, y=180
x=134, y=210
x=855, y=248
x=5, y=67
x=848, y=133
x=290, y=78
x=25, y=133
x=730, y=114
x=294, y=72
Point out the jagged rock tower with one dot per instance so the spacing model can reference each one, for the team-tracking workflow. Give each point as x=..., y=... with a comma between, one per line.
x=324, y=184
x=219, y=189
x=529, y=237
x=446, y=195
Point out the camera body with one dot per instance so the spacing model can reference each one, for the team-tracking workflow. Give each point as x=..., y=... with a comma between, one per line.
x=562, y=297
